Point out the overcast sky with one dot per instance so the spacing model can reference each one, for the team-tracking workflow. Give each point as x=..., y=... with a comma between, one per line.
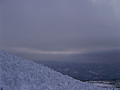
x=52, y=29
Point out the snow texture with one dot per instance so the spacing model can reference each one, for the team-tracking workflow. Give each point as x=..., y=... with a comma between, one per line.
x=20, y=74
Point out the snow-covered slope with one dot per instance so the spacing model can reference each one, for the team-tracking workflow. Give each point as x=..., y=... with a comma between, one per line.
x=19, y=74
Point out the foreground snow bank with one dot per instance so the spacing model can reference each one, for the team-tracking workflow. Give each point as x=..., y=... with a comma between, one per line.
x=19, y=74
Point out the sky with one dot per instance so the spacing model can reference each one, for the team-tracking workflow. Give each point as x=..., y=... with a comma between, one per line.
x=61, y=30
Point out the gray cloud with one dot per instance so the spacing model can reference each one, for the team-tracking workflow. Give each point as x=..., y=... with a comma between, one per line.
x=0, y=22
x=35, y=51
x=60, y=26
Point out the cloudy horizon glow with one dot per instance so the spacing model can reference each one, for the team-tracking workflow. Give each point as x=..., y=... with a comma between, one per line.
x=59, y=27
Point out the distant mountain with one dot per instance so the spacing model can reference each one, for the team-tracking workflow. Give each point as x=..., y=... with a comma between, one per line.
x=19, y=74
x=86, y=71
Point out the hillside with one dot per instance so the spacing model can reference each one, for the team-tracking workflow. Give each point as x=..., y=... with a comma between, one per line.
x=19, y=74
x=86, y=71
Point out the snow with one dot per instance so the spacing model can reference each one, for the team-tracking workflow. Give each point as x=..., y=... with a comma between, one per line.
x=20, y=74
x=103, y=85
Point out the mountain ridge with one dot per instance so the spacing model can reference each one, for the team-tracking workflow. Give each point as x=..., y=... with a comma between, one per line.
x=20, y=74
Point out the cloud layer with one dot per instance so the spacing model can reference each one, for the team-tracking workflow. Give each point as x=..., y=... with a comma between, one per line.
x=60, y=27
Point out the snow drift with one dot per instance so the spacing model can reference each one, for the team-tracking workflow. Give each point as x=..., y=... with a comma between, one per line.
x=20, y=74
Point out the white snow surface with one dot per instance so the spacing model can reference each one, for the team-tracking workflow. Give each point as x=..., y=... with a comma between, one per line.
x=20, y=74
